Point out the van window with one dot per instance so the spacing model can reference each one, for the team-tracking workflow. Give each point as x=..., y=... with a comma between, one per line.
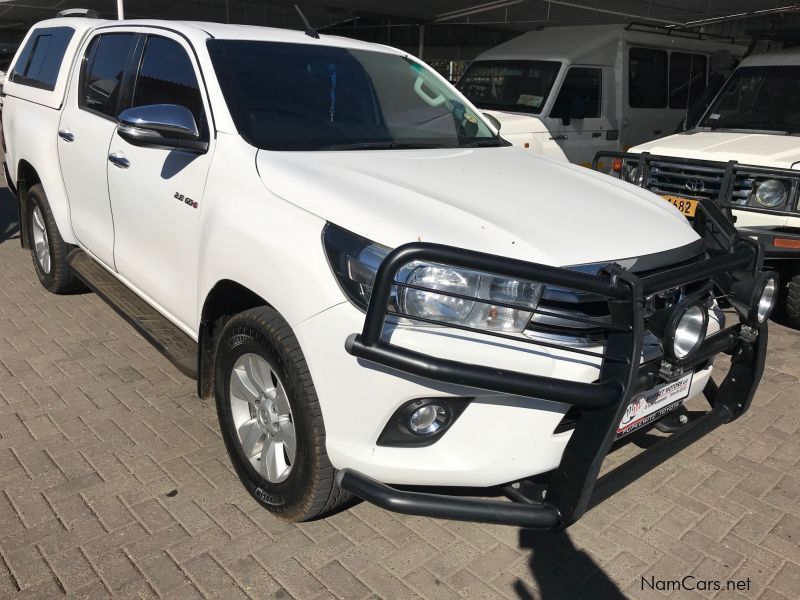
x=647, y=78
x=581, y=94
x=40, y=61
x=167, y=77
x=687, y=78
x=513, y=85
x=105, y=65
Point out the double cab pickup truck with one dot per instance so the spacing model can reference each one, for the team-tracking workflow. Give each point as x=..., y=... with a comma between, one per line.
x=386, y=298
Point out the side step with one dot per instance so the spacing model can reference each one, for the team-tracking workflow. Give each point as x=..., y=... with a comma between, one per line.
x=179, y=348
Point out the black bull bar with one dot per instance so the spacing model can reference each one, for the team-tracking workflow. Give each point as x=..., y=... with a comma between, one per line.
x=574, y=486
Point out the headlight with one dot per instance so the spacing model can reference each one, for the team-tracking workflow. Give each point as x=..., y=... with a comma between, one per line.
x=770, y=193
x=355, y=261
x=460, y=307
x=628, y=172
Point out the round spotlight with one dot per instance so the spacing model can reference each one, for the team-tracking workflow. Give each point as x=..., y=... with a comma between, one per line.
x=767, y=300
x=754, y=298
x=690, y=330
x=427, y=419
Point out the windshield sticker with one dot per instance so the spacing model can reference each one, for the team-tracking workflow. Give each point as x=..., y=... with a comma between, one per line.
x=714, y=116
x=528, y=100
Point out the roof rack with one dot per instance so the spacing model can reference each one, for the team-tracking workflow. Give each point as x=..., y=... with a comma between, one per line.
x=676, y=31
x=788, y=36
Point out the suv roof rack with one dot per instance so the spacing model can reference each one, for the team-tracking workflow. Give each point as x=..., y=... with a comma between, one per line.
x=677, y=32
x=789, y=37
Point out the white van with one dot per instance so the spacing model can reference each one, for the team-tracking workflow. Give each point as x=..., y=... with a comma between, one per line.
x=575, y=91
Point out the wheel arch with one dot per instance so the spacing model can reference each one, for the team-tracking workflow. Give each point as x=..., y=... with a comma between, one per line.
x=225, y=299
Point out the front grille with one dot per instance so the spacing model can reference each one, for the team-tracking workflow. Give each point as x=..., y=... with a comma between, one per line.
x=695, y=181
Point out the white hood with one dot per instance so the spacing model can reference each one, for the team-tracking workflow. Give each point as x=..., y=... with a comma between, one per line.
x=498, y=200
x=747, y=148
x=513, y=123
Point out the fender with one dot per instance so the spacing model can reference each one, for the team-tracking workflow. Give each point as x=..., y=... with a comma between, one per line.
x=33, y=158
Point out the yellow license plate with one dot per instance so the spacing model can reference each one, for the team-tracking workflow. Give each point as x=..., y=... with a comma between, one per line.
x=685, y=205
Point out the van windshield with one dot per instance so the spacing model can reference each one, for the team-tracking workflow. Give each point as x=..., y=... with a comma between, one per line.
x=285, y=96
x=765, y=98
x=511, y=85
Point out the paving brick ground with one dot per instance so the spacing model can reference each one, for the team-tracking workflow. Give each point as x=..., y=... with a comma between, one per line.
x=114, y=482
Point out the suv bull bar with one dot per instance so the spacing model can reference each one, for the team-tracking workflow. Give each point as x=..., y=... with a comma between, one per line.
x=574, y=486
x=778, y=242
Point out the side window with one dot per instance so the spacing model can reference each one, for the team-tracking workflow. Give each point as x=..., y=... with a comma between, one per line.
x=647, y=78
x=687, y=78
x=167, y=77
x=580, y=95
x=104, y=67
x=40, y=61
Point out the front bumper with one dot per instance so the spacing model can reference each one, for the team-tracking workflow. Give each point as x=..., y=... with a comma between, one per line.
x=779, y=243
x=574, y=486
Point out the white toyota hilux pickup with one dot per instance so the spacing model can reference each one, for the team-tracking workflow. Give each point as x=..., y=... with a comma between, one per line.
x=386, y=299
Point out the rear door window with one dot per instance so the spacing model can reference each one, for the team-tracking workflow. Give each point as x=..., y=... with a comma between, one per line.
x=647, y=78
x=105, y=63
x=39, y=63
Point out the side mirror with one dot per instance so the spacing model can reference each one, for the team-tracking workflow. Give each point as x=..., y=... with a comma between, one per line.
x=493, y=120
x=168, y=126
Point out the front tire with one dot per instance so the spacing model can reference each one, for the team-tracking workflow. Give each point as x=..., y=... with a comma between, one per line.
x=270, y=417
x=48, y=250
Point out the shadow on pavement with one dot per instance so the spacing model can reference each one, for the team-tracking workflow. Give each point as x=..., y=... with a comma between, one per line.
x=562, y=571
x=9, y=220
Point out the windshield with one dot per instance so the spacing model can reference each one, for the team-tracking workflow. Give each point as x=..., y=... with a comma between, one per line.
x=758, y=98
x=511, y=85
x=303, y=97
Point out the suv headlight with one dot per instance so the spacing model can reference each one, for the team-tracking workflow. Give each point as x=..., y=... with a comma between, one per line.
x=770, y=193
x=355, y=261
x=628, y=172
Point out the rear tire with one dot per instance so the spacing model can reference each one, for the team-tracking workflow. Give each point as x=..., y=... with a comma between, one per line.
x=270, y=417
x=793, y=302
x=48, y=250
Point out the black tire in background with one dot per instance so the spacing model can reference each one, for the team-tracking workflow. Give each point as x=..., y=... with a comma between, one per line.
x=792, y=305
x=58, y=277
x=310, y=489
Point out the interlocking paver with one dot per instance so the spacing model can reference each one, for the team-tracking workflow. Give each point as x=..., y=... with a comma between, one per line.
x=114, y=481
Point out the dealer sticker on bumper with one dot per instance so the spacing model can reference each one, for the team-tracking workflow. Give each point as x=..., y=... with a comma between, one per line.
x=654, y=404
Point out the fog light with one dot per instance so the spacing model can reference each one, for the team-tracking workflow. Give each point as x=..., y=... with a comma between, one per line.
x=428, y=419
x=754, y=298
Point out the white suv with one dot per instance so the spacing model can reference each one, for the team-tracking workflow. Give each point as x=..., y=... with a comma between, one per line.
x=744, y=154
x=378, y=289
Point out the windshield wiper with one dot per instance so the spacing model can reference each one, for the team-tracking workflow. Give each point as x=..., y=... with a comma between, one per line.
x=385, y=146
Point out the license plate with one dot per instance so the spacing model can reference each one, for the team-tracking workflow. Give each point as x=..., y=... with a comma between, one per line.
x=687, y=206
x=653, y=404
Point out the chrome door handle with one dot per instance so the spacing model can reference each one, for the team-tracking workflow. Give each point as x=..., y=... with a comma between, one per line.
x=119, y=160
x=66, y=135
